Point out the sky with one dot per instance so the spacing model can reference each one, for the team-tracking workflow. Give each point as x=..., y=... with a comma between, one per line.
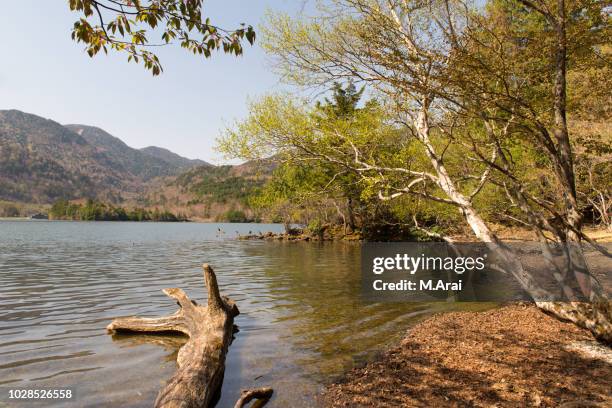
x=44, y=72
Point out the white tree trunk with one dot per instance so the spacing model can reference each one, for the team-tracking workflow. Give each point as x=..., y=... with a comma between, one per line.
x=595, y=316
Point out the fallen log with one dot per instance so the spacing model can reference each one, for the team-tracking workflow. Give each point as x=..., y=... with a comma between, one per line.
x=201, y=361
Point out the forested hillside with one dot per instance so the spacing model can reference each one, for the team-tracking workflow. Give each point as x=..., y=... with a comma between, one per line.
x=172, y=158
x=43, y=162
x=223, y=193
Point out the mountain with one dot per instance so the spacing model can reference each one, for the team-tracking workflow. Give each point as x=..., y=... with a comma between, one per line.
x=146, y=164
x=174, y=159
x=42, y=160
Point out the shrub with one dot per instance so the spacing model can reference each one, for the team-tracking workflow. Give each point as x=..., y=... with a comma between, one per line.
x=235, y=216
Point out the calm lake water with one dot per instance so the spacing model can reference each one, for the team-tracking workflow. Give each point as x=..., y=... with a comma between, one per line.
x=302, y=322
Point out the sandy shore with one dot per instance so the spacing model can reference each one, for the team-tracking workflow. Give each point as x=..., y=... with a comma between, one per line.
x=515, y=356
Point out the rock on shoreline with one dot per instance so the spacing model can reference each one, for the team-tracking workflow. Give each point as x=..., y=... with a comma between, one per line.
x=327, y=233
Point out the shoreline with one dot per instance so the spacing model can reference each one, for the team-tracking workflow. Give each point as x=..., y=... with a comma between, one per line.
x=507, y=357
x=600, y=235
x=327, y=233
x=336, y=233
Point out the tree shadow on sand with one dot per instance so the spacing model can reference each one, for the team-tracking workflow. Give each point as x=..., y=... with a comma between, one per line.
x=511, y=357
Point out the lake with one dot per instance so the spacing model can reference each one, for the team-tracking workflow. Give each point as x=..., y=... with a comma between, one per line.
x=302, y=321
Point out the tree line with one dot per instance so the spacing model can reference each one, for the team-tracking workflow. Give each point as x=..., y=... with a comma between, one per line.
x=94, y=210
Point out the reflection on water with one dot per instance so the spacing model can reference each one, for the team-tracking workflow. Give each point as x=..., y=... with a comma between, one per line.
x=301, y=324
x=170, y=343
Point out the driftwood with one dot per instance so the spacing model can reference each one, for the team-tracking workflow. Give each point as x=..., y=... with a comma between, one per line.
x=262, y=394
x=201, y=361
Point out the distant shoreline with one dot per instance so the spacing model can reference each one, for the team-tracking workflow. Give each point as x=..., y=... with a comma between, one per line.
x=196, y=221
x=34, y=219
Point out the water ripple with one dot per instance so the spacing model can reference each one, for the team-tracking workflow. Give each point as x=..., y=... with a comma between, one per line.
x=61, y=283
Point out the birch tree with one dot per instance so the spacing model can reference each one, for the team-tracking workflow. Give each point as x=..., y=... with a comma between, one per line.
x=450, y=77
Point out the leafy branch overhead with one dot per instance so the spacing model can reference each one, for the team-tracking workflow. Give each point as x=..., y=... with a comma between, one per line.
x=127, y=25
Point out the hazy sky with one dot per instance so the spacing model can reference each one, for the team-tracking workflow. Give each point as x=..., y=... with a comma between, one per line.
x=42, y=71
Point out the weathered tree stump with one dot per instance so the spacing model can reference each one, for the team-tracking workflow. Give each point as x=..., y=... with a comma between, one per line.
x=201, y=361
